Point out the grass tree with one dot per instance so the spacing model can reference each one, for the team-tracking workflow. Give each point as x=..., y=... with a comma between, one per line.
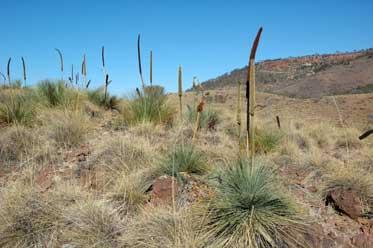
x=61, y=61
x=251, y=210
x=250, y=95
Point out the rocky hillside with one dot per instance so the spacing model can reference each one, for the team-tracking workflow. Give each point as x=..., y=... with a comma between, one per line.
x=309, y=76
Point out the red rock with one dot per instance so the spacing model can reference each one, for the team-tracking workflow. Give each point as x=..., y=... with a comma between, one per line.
x=346, y=202
x=165, y=190
x=312, y=189
x=362, y=240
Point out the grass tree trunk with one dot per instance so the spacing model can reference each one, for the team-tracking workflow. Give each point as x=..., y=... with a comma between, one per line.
x=180, y=87
x=239, y=120
x=24, y=71
x=8, y=71
x=61, y=61
x=250, y=95
x=139, y=60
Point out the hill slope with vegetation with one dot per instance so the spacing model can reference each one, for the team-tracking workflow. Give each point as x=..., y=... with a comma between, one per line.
x=78, y=171
x=309, y=76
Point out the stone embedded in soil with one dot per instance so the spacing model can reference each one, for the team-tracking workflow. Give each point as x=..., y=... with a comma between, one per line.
x=362, y=240
x=346, y=202
x=165, y=189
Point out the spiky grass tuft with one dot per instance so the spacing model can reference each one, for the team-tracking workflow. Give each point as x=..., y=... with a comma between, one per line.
x=53, y=93
x=17, y=107
x=250, y=210
x=93, y=223
x=163, y=227
x=69, y=129
x=28, y=218
x=149, y=106
x=98, y=97
x=209, y=119
x=267, y=140
x=184, y=159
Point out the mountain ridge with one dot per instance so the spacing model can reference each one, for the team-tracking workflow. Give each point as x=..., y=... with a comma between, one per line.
x=310, y=76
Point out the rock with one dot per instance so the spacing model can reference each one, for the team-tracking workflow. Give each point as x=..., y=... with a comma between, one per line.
x=193, y=191
x=312, y=189
x=165, y=189
x=315, y=237
x=362, y=240
x=345, y=202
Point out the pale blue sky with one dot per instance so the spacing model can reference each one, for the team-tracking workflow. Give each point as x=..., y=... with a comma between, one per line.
x=208, y=38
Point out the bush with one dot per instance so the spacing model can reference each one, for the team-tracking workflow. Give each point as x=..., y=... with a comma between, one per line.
x=97, y=97
x=92, y=223
x=16, y=107
x=18, y=143
x=52, y=92
x=184, y=159
x=27, y=218
x=118, y=155
x=55, y=94
x=250, y=210
x=162, y=227
x=128, y=193
x=209, y=119
x=266, y=140
x=149, y=106
x=69, y=129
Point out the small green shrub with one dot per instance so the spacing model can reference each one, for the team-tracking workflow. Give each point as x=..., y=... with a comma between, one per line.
x=250, y=210
x=55, y=94
x=52, y=92
x=16, y=108
x=97, y=97
x=149, y=106
x=267, y=140
x=184, y=159
x=209, y=118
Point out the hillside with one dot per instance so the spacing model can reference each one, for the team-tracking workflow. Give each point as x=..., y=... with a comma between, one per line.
x=308, y=76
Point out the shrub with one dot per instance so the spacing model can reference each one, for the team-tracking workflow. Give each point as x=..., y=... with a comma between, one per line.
x=128, y=193
x=162, y=227
x=27, y=218
x=52, y=92
x=92, y=223
x=184, y=159
x=55, y=94
x=69, y=129
x=18, y=143
x=250, y=210
x=16, y=108
x=97, y=97
x=119, y=155
x=149, y=106
x=266, y=140
x=209, y=119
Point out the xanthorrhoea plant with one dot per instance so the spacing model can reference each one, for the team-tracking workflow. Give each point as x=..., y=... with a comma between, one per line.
x=250, y=95
x=180, y=91
x=61, y=61
x=139, y=60
x=8, y=70
x=24, y=70
x=239, y=119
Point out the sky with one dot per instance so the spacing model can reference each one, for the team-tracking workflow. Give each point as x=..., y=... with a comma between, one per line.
x=206, y=37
